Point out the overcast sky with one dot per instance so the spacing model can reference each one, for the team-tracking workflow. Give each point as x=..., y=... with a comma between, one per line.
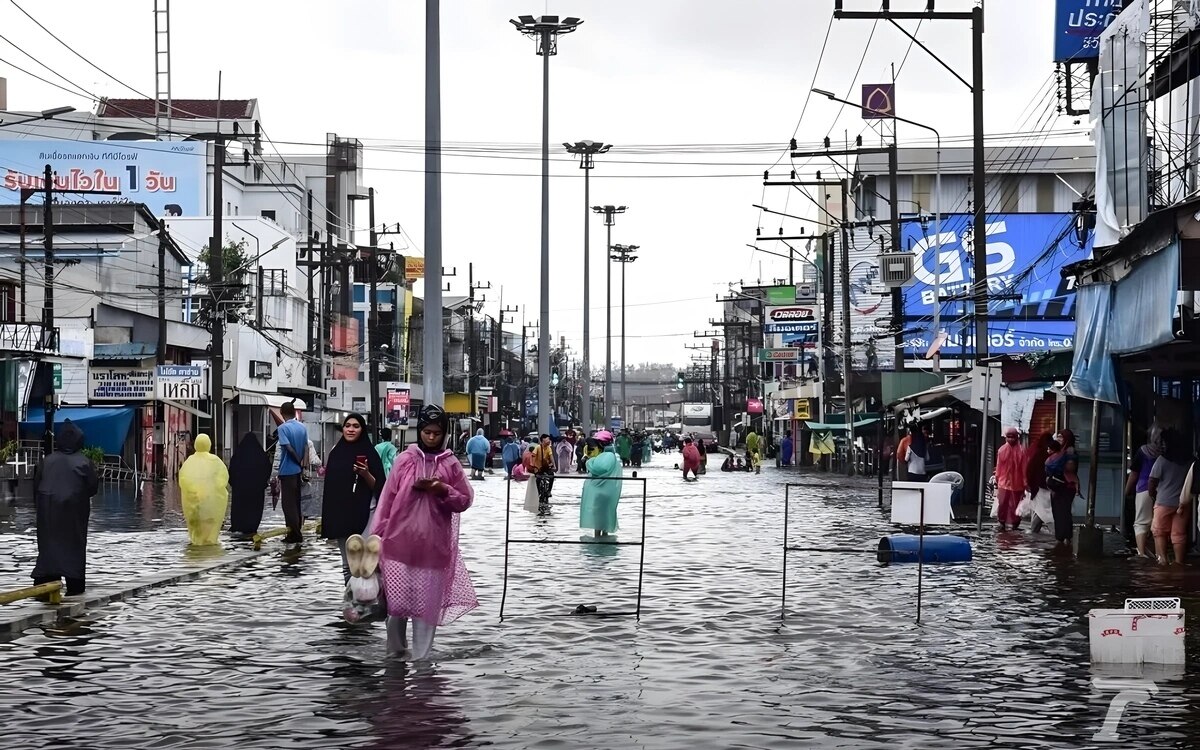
x=636, y=74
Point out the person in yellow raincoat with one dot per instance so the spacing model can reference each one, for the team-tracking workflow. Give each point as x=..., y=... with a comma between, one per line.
x=204, y=487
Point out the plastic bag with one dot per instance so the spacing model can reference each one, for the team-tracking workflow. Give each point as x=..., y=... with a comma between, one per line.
x=1025, y=507
x=363, y=600
x=532, y=497
x=519, y=474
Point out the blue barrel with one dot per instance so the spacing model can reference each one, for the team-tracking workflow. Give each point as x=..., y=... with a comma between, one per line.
x=938, y=548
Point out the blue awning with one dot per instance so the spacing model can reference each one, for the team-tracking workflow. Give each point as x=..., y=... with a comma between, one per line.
x=104, y=426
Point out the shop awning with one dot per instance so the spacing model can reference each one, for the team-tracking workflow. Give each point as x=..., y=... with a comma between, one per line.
x=274, y=400
x=958, y=389
x=822, y=426
x=103, y=426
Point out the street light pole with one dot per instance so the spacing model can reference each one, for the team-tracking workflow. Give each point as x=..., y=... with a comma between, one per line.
x=624, y=256
x=937, y=211
x=545, y=30
x=585, y=150
x=431, y=342
x=609, y=212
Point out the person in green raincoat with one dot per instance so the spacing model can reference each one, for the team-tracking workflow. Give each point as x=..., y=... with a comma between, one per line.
x=598, y=507
x=624, y=447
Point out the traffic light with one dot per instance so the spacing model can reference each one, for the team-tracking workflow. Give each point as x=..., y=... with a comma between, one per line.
x=679, y=380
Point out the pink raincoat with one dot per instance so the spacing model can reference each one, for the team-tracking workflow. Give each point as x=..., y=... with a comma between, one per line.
x=1010, y=468
x=423, y=572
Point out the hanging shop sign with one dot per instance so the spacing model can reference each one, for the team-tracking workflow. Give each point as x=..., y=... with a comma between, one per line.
x=781, y=295
x=398, y=405
x=803, y=409
x=791, y=319
x=790, y=354
x=180, y=382
x=120, y=384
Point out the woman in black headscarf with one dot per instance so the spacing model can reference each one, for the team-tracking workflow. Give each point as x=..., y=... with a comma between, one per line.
x=353, y=479
x=249, y=473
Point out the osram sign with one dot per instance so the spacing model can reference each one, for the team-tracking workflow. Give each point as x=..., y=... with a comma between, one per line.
x=790, y=319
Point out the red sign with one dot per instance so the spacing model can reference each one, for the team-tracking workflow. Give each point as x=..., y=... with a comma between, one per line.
x=754, y=406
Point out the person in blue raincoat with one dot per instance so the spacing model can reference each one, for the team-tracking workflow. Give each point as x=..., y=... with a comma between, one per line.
x=510, y=453
x=598, y=508
x=478, y=448
x=785, y=451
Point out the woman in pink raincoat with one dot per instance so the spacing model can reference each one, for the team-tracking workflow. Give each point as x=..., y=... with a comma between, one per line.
x=424, y=576
x=1010, y=479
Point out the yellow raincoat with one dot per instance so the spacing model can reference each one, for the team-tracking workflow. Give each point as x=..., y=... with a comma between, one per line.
x=204, y=487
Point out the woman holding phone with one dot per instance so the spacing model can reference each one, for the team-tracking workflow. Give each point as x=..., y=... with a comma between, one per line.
x=424, y=576
x=353, y=479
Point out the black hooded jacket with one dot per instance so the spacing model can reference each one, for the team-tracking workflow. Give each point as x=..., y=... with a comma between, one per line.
x=64, y=484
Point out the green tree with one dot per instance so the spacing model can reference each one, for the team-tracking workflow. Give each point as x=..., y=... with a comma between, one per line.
x=231, y=292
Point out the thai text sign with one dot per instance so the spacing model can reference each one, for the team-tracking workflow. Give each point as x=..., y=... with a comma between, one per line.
x=167, y=176
x=1025, y=257
x=803, y=409
x=790, y=354
x=790, y=319
x=120, y=384
x=414, y=268
x=1077, y=27
x=397, y=405
x=180, y=382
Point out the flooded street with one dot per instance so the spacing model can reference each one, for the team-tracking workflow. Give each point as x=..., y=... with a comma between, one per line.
x=257, y=655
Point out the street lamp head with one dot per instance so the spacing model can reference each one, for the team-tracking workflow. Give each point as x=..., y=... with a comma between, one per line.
x=826, y=94
x=55, y=112
x=545, y=30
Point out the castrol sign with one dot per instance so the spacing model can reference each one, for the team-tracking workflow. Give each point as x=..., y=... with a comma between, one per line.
x=790, y=319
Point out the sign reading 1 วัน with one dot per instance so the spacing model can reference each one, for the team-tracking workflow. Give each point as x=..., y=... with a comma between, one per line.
x=167, y=176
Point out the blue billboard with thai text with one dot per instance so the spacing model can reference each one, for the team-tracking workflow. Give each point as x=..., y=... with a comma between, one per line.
x=1031, y=307
x=1078, y=25
x=168, y=176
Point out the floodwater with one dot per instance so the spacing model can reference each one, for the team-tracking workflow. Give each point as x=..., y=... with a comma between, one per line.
x=257, y=656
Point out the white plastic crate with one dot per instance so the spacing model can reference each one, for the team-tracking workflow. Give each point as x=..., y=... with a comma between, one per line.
x=1146, y=631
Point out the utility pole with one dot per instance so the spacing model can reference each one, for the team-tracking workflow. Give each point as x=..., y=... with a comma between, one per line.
x=313, y=364
x=504, y=310
x=373, y=317
x=49, y=340
x=48, y=301
x=586, y=150
x=609, y=212
x=431, y=344
x=847, y=336
x=216, y=274
x=979, y=256
x=160, y=354
x=472, y=364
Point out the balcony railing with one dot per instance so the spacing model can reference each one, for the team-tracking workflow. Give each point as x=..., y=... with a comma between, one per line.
x=28, y=338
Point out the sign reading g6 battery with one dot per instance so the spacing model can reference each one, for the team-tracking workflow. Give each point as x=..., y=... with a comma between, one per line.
x=790, y=319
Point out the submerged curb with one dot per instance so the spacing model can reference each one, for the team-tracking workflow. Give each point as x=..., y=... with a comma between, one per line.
x=37, y=613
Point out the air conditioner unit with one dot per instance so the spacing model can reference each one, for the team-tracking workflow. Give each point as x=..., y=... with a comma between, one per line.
x=896, y=269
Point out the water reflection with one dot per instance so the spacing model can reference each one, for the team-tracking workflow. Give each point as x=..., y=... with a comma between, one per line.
x=1000, y=661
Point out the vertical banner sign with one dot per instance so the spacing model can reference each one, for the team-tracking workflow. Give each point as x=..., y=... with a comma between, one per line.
x=397, y=405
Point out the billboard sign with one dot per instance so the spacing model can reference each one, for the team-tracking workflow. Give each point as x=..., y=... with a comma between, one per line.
x=168, y=176
x=414, y=268
x=1077, y=27
x=791, y=319
x=1026, y=255
x=781, y=295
